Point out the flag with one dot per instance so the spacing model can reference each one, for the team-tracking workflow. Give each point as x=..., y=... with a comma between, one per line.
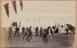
x=71, y=27
x=6, y=6
x=21, y=4
x=14, y=5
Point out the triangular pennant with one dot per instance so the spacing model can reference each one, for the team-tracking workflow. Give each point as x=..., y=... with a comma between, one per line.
x=14, y=6
x=21, y=4
x=6, y=6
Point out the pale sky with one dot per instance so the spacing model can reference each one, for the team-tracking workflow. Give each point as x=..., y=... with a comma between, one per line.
x=40, y=13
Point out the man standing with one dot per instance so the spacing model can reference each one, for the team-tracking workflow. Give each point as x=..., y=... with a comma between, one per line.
x=36, y=31
x=45, y=36
x=10, y=33
x=23, y=30
x=16, y=31
x=29, y=34
x=40, y=31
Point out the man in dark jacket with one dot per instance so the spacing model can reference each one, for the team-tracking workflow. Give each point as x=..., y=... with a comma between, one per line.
x=17, y=31
x=23, y=30
x=36, y=30
x=29, y=34
x=45, y=36
x=40, y=31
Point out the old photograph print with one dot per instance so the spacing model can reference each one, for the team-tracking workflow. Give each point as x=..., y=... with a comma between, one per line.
x=38, y=24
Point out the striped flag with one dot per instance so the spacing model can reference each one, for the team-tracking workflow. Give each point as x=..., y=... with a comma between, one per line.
x=14, y=5
x=6, y=6
x=21, y=4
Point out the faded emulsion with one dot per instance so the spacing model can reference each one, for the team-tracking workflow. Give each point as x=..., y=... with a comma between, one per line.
x=38, y=24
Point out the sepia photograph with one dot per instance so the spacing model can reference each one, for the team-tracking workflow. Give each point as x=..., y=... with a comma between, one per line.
x=38, y=23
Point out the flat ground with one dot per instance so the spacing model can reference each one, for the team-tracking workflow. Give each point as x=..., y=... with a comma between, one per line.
x=58, y=41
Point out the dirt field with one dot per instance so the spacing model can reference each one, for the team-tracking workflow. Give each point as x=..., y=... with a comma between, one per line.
x=58, y=41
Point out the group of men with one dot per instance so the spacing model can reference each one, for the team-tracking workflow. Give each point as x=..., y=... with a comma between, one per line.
x=27, y=33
